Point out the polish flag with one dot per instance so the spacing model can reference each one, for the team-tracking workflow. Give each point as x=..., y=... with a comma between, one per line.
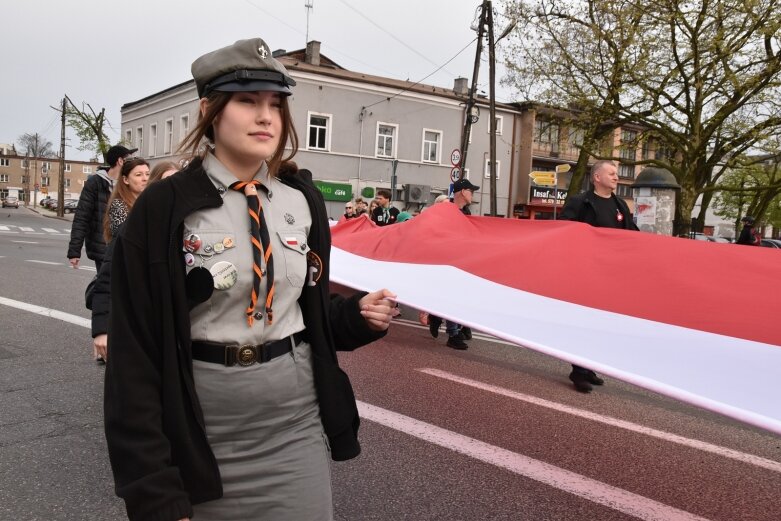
x=291, y=241
x=693, y=320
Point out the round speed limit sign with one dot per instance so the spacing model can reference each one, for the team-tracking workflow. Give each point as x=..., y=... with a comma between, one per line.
x=455, y=157
x=455, y=173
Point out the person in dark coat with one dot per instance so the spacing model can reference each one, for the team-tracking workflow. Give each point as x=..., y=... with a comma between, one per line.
x=748, y=234
x=87, y=228
x=223, y=392
x=599, y=207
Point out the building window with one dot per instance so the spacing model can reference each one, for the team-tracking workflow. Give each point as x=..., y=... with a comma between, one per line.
x=499, y=123
x=431, y=140
x=386, y=140
x=140, y=139
x=626, y=171
x=575, y=138
x=46, y=166
x=45, y=180
x=319, y=131
x=546, y=132
x=67, y=183
x=25, y=179
x=624, y=190
x=129, y=137
x=168, y=139
x=3, y=178
x=24, y=163
x=86, y=169
x=646, y=152
x=184, y=126
x=4, y=161
x=466, y=173
x=67, y=167
x=152, y=140
x=487, y=172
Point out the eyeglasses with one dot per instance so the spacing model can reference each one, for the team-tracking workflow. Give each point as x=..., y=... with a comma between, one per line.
x=348, y=207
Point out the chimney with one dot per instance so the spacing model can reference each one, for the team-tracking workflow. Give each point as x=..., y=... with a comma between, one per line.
x=460, y=87
x=278, y=53
x=313, y=53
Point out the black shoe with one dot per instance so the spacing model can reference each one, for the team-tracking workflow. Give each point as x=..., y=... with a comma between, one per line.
x=581, y=382
x=433, y=325
x=592, y=378
x=467, y=332
x=457, y=342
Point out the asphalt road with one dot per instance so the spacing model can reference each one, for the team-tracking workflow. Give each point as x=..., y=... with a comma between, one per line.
x=492, y=433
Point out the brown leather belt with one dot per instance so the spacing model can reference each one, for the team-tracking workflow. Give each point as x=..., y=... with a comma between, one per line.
x=244, y=355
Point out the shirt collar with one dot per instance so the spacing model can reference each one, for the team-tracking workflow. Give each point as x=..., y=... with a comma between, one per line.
x=222, y=178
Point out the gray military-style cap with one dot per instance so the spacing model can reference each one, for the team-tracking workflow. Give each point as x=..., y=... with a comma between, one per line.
x=245, y=66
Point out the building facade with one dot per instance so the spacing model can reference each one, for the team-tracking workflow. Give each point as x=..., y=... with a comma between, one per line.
x=34, y=178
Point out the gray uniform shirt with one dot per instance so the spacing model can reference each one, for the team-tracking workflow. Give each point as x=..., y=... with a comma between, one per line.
x=222, y=318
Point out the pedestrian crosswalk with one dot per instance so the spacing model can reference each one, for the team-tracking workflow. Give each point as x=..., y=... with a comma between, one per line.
x=10, y=228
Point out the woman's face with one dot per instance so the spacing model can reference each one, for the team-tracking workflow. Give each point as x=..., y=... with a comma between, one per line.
x=249, y=127
x=137, y=178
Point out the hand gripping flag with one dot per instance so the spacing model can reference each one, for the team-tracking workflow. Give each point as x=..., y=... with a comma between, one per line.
x=693, y=320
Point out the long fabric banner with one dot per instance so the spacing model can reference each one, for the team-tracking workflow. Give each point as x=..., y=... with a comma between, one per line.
x=693, y=320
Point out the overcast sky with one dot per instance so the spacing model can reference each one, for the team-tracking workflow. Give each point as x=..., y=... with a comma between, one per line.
x=109, y=53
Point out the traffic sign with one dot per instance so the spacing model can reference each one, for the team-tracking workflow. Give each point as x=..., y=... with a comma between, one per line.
x=455, y=157
x=560, y=169
x=455, y=174
x=543, y=178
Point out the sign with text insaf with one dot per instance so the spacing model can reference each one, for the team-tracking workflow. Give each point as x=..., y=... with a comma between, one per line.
x=545, y=195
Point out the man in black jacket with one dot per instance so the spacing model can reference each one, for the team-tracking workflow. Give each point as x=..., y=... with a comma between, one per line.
x=599, y=207
x=87, y=226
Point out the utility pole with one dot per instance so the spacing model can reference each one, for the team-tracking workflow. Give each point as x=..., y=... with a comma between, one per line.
x=470, y=116
x=27, y=174
x=308, y=4
x=35, y=171
x=492, y=104
x=61, y=179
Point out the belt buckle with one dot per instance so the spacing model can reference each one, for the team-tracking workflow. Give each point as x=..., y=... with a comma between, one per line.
x=247, y=355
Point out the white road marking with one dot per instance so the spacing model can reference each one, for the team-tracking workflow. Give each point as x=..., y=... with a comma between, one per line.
x=562, y=479
x=67, y=230
x=44, y=262
x=50, y=230
x=26, y=229
x=4, y=228
x=8, y=231
x=53, y=313
x=25, y=242
x=615, y=422
x=88, y=268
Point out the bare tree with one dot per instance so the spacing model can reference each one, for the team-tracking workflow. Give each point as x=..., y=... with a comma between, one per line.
x=36, y=145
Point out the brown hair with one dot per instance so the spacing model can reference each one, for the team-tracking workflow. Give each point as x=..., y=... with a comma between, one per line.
x=122, y=192
x=160, y=168
x=384, y=193
x=215, y=103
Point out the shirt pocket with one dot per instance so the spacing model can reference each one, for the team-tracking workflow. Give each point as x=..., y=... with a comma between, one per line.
x=294, y=249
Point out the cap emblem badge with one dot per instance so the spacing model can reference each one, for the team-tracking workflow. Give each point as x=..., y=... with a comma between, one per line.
x=263, y=52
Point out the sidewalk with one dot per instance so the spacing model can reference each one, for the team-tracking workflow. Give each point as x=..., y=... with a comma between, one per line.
x=48, y=213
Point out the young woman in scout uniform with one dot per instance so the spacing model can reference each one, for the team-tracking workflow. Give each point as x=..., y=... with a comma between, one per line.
x=224, y=397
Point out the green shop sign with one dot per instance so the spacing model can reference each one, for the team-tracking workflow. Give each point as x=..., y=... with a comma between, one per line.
x=335, y=191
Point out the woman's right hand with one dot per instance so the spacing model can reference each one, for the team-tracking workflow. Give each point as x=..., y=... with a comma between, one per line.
x=100, y=347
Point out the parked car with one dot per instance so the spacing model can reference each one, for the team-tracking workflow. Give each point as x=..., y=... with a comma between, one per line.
x=44, y=201
x=70, y=205
x=771, y=243
x=51, y=204
x=11, y=202
x=709, y=238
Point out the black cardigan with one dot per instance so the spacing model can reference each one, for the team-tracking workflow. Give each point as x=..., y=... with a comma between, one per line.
x=159, y=453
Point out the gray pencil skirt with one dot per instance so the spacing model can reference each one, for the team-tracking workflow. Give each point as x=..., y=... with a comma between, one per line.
x=263, y=424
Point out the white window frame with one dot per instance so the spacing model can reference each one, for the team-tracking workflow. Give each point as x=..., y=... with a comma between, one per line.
x=4, y=161
x=440, y=140
x=67, y=183
x=184, y=126
x=46, y=180
x=487, y=171
x=86, y=169
x=393, y=137
x=152, y=139
x=129, y=137
x=466, y=173
x=329, y=123
x=168, y=137
x=499, y=125
x=3, y=178
x=24, y=163
x=140, y=139
x=46, y=166
x=67, y=167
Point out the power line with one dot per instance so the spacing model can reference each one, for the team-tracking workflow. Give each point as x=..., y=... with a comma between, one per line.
x=422, y=79
x=378, y=26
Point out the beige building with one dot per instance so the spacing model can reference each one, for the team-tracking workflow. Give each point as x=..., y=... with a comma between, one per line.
x=33, y=178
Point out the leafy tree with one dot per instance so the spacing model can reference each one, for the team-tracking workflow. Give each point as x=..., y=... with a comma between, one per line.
x=701, y=76
x=89, y=126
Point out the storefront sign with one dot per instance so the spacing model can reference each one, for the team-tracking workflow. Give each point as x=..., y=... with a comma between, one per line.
x=542, y=195
x=335, y=191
